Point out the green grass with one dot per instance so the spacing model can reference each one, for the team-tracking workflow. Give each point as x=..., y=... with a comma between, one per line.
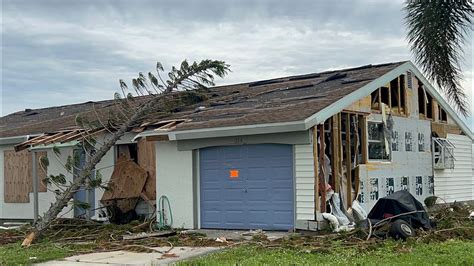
x=389, y=253
x=14, y=254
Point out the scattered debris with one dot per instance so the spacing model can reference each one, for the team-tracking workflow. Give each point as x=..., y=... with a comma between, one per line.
x=169, y=255
x=147, y=235
x=221, y=240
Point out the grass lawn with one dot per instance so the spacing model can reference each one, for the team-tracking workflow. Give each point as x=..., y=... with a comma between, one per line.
x=389, y=253
x=452, y=252
x=14, y=254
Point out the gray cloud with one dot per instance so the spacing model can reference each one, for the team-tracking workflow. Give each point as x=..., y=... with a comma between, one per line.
x=61, y=52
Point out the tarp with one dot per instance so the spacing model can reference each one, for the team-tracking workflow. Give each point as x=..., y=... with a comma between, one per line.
x=397, y=203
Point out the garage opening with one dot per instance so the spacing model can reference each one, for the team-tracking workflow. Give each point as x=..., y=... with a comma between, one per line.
x=247, y=187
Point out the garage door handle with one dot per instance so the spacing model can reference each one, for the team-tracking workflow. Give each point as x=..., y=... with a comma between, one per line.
x=245, y=190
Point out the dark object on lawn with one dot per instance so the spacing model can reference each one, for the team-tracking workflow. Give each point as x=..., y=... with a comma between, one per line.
x=399, y=229
x=116, y=216
x=404, y=206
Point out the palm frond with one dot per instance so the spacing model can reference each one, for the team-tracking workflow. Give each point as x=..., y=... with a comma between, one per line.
x=437, y=30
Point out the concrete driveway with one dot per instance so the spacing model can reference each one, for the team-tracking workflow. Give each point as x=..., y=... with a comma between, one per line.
x=162, y=256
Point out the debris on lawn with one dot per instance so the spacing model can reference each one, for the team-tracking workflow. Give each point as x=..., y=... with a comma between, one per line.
x=450, y=221
x=147, y=235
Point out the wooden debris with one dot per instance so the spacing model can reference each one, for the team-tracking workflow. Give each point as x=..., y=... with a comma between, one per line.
x=147, y=235
x=127, y=182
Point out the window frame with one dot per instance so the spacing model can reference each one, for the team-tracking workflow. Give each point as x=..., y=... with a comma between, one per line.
x=382, y=141
x=447, y=152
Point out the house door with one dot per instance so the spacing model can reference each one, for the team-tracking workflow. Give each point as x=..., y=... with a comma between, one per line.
x=83, y=195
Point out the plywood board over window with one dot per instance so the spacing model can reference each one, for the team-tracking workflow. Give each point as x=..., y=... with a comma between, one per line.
x=41, y=171
x=146, y=160
x=18, y=180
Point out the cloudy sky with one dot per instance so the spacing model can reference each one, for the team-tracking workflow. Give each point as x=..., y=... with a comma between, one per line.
x=57, y=52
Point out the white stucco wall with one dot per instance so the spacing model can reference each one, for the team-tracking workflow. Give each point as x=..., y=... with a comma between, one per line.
x=457, y=184
x=174, y=179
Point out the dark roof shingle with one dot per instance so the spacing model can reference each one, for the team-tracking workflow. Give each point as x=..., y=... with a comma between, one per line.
x=284, y=99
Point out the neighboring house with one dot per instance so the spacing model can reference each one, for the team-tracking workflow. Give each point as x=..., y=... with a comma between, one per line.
x=264, y=154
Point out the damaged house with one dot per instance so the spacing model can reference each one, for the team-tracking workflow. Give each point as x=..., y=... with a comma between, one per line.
x=270, y=154
x=29, y=135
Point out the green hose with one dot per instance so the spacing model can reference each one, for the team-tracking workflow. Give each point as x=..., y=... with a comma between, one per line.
x=162, y=221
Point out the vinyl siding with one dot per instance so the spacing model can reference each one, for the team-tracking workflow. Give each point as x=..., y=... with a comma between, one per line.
x=304, y=175
x=457, y=184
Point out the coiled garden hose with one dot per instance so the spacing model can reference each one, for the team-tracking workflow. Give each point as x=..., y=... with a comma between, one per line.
x=163, y=221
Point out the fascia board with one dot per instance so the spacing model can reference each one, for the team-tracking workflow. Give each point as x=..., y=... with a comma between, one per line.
x=237, y=130
x=50, y=146
x=13, y=140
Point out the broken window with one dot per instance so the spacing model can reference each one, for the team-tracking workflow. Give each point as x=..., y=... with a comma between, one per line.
x=376, y=142
x=443, y=154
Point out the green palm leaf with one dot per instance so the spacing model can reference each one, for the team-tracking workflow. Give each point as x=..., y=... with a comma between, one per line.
x=437, y=30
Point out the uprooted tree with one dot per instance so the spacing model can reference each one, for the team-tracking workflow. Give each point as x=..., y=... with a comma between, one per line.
x=151, y=94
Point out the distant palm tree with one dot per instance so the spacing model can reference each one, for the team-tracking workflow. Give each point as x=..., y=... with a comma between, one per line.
x=437, y=30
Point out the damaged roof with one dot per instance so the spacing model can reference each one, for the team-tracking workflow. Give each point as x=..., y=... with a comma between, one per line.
x=276, y=100
x=45, y=120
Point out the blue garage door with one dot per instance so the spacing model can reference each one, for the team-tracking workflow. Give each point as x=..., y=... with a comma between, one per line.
x=247, y=187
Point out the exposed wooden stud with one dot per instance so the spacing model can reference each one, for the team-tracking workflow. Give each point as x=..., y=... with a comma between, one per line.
x=399, y=95
x=322, y=173
x=334, y=157
x=380, y=98
x=316, y=172
x=390, y=96
x=59, y=138
x=348, y=161
x=425, y=112
x=434, y=110
x=339, y=152
x=83, y=133
x=363, y=126
x=356, y=181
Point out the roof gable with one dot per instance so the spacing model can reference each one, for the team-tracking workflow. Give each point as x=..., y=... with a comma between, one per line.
x=338, y=106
